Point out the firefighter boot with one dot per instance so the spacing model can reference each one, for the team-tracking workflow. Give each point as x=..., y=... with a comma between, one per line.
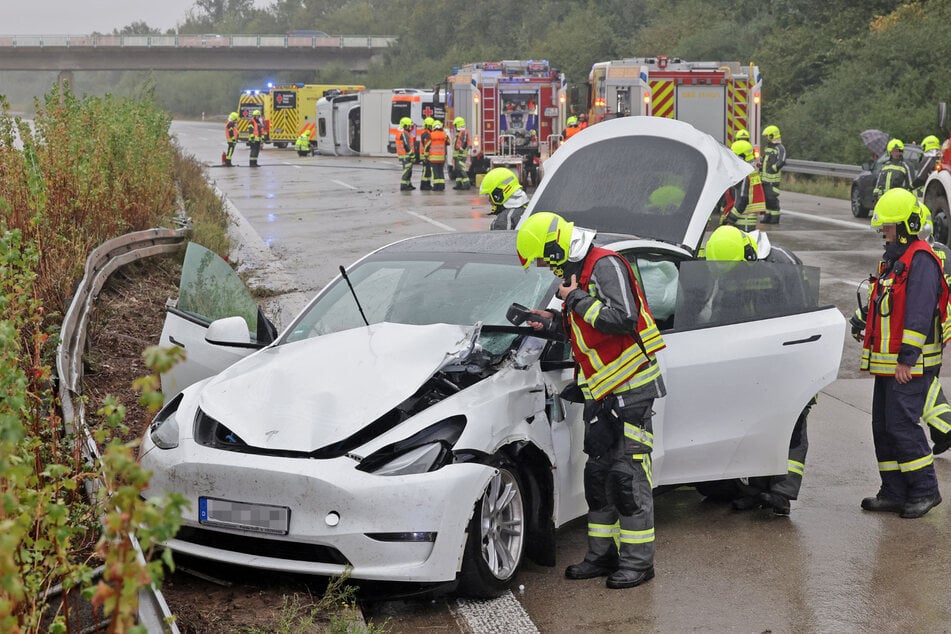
x=625, y=578
x=602, y=556
x=916, y=507
x=776, y=501
x=882, y=504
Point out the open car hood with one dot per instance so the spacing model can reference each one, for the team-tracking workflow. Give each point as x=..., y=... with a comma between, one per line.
x=645, y=176
x=305, y=395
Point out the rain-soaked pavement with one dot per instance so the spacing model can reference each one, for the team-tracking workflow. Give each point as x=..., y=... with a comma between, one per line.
x=829, y=567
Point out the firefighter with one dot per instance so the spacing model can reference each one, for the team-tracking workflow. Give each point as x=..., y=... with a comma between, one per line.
x=231, y=136
x=422, y=153
x=572, y=127
x=895, y=171
x=729, y=244
x=582, y=121
x=460, y=151
x=902, y=350
x=302, y=144
x=508, y=198
x=614, y=340
x=742, y=135
x=774, y=158
x=748, y=200
x=404, y=152
x=931, y=154
x=438, y=143
x=255, y=137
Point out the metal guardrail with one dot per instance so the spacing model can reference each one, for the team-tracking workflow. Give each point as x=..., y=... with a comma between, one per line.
x=834, y=170
x=207, y=40
x=101, y=263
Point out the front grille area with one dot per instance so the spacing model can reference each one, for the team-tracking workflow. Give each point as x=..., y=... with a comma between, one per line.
x=262, y=547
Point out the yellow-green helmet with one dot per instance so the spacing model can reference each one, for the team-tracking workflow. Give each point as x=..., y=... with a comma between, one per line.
x=459, y=122
x=899, y=207
x=233, y=116
x=743, y=149
x=895, y=144
x=572, y=120
x=930, y=142
x=256, y=113
x=437, y=125
x=406, y=122
x=666, y=197
x=428, y=122
x=771, y=132
x=546, y=236
x=742, y=134
x=729, y=244
x=499, y=184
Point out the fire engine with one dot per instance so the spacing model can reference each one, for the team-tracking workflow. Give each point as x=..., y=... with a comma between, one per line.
x=719, y=98
x=937, y=189
x=513, y=108
x=249, y=101
x=291, y=109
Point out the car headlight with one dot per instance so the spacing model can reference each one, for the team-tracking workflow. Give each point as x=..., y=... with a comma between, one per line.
x=426, y=450
x=164, y=428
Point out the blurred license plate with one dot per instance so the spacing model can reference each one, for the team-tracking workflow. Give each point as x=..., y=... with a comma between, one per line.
x=260, y=518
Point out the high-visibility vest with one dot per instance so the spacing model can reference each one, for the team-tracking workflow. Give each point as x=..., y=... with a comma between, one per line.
x=462, y=141
x=437, y=145
x=231, y=131
x=570, y=131
x=607, y=361
x=255, y=133
x=885, y=331
x=403, y=143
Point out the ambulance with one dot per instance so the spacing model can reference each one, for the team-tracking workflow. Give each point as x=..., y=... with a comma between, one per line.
x=291, y=109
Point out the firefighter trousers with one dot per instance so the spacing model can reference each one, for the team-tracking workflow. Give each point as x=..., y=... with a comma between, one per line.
x=905, y=461
x=771, y=194
x=406, y=179
x=230, y=153
x=618, y=488
x=788, y=484
x=937, y=412
x=253, y=156
x=459, y=169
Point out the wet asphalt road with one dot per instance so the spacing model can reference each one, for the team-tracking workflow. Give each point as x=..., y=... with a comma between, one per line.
x=830, y=567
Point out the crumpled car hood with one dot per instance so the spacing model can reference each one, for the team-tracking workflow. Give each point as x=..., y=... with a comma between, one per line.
x=305, y=395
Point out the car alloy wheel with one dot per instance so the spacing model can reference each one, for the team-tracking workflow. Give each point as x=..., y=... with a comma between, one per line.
x=502, y=525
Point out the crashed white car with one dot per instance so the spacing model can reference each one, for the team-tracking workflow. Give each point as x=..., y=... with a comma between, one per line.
x=400, y=428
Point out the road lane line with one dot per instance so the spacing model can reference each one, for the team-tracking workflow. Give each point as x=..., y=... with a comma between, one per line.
x=431, y=221
x=342, y=184
x=504, y=614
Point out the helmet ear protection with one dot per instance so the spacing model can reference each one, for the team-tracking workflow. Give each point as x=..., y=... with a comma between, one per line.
x=497, y=195
x=914, y=221
x=749, y=251
x=553, y=252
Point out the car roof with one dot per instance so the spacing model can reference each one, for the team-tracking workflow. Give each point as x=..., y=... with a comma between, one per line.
x=647, y=176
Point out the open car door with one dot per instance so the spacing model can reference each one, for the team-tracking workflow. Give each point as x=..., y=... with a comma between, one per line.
x=212, y=300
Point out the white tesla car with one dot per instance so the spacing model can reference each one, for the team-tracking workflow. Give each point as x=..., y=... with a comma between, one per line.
x=401, y=428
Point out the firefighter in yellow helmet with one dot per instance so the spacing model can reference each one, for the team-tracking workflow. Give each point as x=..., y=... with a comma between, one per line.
x=614, y=340
x=746, y=200
x=902, y=348
x=255, y=137
x=302, y=144
x=571, y=127
x=460, y=152
x=405, y=154
x=930, y=158
x=895, y=171
x=231, y=137
x=438, y=145
x=505, y=193
x=774, y=158
x=422, y=152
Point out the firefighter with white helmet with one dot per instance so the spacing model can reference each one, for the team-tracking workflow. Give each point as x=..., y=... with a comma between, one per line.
x=508, y=198
x=614, y=339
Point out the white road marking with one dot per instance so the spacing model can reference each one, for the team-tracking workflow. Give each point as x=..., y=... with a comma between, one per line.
x=504, y=614
x=431, y=221
x=343, y=184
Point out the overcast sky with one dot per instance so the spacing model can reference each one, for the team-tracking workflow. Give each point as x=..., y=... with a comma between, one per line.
x=54, y=17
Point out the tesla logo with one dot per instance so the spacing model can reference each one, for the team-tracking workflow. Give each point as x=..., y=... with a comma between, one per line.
x=428, y=111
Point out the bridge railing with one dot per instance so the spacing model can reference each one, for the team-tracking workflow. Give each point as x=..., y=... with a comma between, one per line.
x=206, y=40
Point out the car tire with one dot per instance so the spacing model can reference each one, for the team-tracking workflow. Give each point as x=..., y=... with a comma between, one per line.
x=496, y=537
x=940, y=218
x=857, y=209
x=281, y=144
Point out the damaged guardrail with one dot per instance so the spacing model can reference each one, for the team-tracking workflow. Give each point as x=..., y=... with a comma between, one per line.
x=153, y=613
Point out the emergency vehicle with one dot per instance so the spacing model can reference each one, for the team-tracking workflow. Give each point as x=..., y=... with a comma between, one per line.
x=290, y=109
x=512, y=107
x=249, y=101
x=352, y=124
x=417, y=105
x=719, y=98
x=937, y=189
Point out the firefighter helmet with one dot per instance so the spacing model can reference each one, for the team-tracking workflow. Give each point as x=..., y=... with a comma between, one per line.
x=730, y=244
x=742, y=134
x=666, y=198
x=233, y=116
x=256, y=113
x=899, y=207
x=428, y=122
x=406, y=122
x=895, y=144
x=929, y=143
x=546, y=236
x=437, y=125
x=459, y=122
x=743, y=149
x=572, y=120
x=499, y=184
x=771, y=132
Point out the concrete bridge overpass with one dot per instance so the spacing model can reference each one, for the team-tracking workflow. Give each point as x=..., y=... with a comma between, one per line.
x=66, y=53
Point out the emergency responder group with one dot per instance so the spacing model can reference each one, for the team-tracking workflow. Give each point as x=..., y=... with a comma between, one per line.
x=431, y=147
x=754, y=201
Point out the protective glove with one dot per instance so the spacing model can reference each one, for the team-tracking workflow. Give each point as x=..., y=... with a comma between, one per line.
x=857, y=322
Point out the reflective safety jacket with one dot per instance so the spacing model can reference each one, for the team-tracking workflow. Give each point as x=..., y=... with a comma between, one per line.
x=438, y=140
x=886, y=330
x=404, y=143
x=609, y=361
x=461, y=145
x=570, y=131
x=256, y=131
x=231, y=131
x=894, y=174
x=749, y=201
x=774, y=157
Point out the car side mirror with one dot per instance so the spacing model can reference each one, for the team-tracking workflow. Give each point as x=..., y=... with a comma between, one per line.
x=229, y=331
